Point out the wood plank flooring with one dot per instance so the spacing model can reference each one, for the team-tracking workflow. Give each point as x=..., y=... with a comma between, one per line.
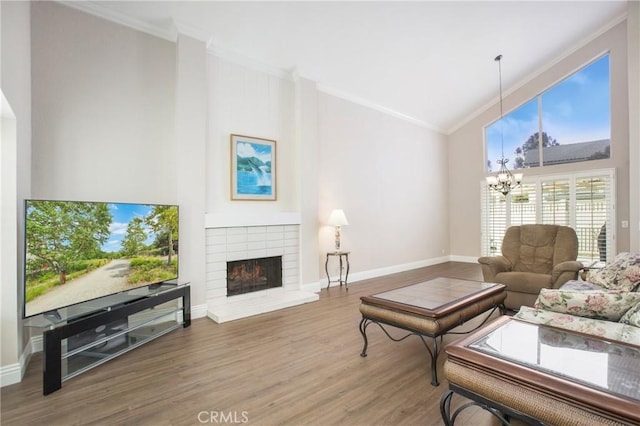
x=297, y=366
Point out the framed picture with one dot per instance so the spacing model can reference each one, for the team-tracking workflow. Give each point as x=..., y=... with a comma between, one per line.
x=253, y=168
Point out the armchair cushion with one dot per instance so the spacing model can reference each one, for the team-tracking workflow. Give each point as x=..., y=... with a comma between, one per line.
x=605, y=305
x=524, y=282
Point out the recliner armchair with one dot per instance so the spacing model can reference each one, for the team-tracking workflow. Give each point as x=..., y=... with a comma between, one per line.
x=533, y=257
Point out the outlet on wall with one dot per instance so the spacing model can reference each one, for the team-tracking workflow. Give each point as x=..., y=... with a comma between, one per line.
x=625, y=224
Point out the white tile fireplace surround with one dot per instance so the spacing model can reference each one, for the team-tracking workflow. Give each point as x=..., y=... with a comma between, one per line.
x=230, y=243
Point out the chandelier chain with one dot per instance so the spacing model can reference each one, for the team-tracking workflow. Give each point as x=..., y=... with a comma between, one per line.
x=504, y=181
x=498, y=58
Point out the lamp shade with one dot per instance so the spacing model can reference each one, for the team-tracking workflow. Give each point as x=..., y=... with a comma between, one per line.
x=337, y=218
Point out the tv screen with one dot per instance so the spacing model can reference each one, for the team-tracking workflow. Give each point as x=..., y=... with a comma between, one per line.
x=79, y=251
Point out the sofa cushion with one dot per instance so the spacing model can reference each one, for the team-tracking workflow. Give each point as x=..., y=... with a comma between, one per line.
x=621, y=274
x=611, y=330
x=632, y=316
x=606, y=305
x=580, y=285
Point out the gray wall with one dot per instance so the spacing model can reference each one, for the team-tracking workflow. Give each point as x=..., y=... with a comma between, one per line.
x=466, y=149
x=390, y=178
x=103, y=109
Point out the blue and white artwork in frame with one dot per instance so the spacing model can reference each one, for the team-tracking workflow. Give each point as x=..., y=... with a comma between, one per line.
x=253, y=168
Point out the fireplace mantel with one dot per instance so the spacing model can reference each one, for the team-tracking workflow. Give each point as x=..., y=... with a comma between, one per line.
x=234, y=219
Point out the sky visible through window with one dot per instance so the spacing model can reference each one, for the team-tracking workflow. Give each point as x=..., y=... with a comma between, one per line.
x=575, y=110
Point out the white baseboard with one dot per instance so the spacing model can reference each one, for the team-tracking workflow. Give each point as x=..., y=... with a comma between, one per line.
x=13, y=373
x=313, y=287
x=379, y=272
x=198, y=311
x=374, y=273
x=37, y=343
x=10, y=374
x=465, y=259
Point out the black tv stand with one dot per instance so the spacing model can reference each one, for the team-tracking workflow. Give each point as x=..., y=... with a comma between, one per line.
x=75, y=344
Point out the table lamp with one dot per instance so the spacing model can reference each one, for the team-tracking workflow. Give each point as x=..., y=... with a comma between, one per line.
x=337, y=219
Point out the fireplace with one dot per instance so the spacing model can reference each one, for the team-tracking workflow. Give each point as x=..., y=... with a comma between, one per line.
x=233, y=242
x=249, y=275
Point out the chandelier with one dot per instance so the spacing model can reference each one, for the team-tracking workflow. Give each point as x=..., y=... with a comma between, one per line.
x=504, y=181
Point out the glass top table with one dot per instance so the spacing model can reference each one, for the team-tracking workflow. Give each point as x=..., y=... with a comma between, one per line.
x=594, y=362
x=580, y=370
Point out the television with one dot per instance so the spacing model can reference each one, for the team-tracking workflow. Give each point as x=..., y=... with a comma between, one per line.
x=77, y=251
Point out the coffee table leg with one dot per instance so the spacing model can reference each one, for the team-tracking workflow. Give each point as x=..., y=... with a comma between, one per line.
x=363, y=331
x=445, y=407
x=434, y=357
x=434, y=362
x=449, y=418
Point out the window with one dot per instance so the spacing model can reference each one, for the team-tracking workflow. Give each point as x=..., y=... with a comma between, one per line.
x=583, y=201
x=572, y=118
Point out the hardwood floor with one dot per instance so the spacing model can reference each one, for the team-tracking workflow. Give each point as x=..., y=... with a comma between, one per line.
x=297, y=366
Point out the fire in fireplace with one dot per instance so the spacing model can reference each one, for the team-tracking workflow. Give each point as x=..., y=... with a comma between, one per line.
x=246, y=276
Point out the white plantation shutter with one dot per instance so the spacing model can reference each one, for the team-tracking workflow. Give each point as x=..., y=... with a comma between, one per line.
x=584, y=201
x=494, y=221
x=556, y=202
x=522, y=204
x=593, y=197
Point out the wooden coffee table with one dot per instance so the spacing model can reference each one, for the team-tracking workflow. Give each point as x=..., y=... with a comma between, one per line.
x=543, y=375
x=430, y=309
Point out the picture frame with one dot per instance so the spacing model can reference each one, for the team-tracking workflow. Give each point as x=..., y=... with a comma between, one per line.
x=253, y=168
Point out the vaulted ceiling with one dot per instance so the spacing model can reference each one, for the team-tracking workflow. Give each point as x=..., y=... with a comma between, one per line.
x=431, y=62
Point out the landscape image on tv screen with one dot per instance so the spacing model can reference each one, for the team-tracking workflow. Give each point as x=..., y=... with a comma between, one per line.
x=78, y=251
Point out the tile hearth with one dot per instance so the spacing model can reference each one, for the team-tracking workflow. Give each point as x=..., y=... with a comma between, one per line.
x=247, y=242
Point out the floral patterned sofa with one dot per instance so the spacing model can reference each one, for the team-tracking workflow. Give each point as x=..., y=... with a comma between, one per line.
x=606, y=303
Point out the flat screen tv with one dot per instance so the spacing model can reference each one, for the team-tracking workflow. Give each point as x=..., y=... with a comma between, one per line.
x=79, y=251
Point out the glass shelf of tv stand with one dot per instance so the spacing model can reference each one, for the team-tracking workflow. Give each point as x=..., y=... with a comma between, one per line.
x=84, y=352
x=63, y=316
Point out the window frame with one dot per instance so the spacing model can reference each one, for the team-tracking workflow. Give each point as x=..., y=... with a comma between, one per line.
x=538, y=97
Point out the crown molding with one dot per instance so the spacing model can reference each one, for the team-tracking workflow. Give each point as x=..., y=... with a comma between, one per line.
x=122, y=19
x=193, y=32
x=372, y=105
x=527, y=79
x=245, y=61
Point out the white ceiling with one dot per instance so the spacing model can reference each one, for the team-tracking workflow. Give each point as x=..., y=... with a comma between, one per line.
x=432, y=62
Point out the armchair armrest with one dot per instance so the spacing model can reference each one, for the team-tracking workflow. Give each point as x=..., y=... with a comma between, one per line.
x=493, y=265
x=565, y=271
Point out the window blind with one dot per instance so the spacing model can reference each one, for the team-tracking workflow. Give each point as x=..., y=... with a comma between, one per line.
x=584, y=201
x=556, y=202
x=592, y=221
x=522, y=204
